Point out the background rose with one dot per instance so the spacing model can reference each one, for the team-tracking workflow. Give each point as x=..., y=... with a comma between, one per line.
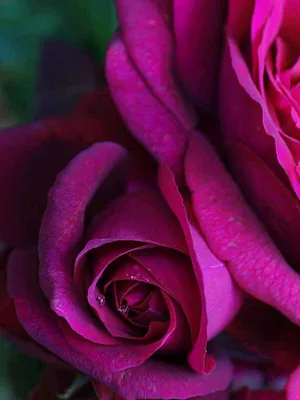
x=259, y=121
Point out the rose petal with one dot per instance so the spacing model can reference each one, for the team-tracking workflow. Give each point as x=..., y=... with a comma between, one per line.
x=246, y=394
x=235, y=107
x=141, y=216
x=150, y=121
x=153, y=379
x=293, y=386
x=62, y=228
x=30, y=158
x=235, y=235
x=142, y=167
x=173, y=272
x=104, y=392
x=284, y=155
x=208, y=270
x=276, y=206
x=239, y=19
x=157, y=380
x=198, y=48
x=266, y=332
x=290, y=25
x=147, y=33
x=110, y=316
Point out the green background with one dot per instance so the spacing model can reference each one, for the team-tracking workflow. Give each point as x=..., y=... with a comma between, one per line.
x=24, y=24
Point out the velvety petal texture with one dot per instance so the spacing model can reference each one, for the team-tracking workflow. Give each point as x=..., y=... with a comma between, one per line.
x=236, y=236
x=161, y=63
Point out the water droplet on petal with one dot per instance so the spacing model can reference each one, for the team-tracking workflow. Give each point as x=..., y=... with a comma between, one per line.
x=123, y=309
x=100, y=299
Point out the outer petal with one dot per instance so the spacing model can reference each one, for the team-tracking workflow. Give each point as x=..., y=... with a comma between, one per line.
x=62, y=229
x=30, y=158
x=146, y=28
x=275, y=204
x=198, y=40
x=147, y=118
x=10, y=326
x=235, y=235
x=154, y=379
x=142, y=167
x=235, y=107
x=246, y=394
x=219, y=302
x=264, y=331
x=293, y=386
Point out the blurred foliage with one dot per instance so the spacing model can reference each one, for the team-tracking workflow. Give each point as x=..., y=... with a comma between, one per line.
x=18, y=373
x=24, y=24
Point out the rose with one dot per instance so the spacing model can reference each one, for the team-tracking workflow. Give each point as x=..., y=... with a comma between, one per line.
x=254, y=261
x=208, y=206
x=258, y=114
x=261, y=68
x=111, y=274
x=129, y=263
x=250, y=381
x=258, y=121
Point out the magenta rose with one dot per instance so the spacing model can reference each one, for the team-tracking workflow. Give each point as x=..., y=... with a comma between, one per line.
x=124, y=229
x=106, y=269
x=163, y=58
x=259, y=107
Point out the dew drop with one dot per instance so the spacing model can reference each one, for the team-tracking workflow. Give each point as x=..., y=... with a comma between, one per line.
x=123, y=309
x=100, y=300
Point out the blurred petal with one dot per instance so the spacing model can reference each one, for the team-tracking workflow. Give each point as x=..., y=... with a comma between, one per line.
x=53, y=381
x=246, y=394
x=275, y=204
x=269, y=334
x=65, y=74
x=293, y=386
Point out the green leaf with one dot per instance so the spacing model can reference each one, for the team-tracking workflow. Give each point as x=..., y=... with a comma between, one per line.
x=18, y=373
x=24, y=24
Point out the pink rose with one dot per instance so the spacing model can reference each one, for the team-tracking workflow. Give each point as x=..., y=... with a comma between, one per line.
x=259, y=106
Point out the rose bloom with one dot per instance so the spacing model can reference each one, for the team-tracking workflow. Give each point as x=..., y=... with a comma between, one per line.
x=123, y=230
